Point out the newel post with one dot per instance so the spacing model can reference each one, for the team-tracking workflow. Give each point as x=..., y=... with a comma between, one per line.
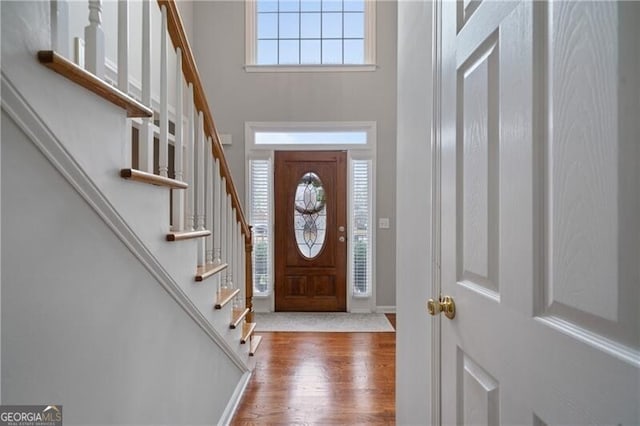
x=248, y=250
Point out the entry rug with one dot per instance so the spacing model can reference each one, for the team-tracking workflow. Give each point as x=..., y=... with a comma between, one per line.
x=322, y=322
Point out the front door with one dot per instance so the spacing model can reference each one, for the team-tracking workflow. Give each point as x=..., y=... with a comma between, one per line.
x=310, y=231
x=540, y=212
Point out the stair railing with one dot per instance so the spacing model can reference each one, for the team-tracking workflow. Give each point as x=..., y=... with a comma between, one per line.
x=204, y=201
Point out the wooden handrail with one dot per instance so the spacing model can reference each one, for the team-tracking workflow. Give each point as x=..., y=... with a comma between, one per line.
x=190, y=71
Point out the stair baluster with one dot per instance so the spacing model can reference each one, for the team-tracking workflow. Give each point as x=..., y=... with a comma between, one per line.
x=60, y=27
x=123, y=62
x=178, y=195
x=123, y=46
x=241, y=265
x=209, y=194
x=189, y=169
x=163, y=146
x=229, y=235
x=200, y=172
x=94, y=54
x=234, y=252
x=217, y=198
x=223, y=233
x=145, y=140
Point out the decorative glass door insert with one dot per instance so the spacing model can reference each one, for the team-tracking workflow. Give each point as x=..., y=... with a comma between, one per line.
x=310, y=215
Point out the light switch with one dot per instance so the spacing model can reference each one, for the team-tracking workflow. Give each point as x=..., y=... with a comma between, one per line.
x=383, y=223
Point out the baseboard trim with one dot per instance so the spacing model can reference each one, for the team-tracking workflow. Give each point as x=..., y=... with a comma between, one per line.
x=234, y=401
x=46, y=141
x=390, y=309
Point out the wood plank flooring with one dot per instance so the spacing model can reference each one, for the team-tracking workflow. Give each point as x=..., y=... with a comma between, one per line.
x=322, y=378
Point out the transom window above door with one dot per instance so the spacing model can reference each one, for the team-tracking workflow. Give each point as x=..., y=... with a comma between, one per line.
x=301, y=35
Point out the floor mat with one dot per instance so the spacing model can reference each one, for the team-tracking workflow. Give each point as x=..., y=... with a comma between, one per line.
x=322, y=322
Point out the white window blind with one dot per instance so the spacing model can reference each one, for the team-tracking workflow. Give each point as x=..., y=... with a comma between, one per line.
x=361, y=226
x=260, y=218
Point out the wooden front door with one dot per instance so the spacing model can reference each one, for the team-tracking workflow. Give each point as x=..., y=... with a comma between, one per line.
x=540, y=208
x=310, y=231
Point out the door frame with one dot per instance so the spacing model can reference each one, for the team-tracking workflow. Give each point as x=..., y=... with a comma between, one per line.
x=357, y=151
x=419, y=137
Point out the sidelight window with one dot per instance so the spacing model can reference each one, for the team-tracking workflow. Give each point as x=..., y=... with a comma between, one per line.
x=260, y=219
x=361, y=219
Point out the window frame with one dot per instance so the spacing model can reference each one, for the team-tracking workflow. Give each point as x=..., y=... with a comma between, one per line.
x=251, y=48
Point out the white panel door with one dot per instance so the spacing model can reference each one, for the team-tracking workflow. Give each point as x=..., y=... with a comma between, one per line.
x=541, y=212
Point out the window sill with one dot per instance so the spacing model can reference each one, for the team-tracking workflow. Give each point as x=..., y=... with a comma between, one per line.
x=311, y=68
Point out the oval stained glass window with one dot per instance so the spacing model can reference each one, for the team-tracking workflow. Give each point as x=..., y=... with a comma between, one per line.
x=310, y=215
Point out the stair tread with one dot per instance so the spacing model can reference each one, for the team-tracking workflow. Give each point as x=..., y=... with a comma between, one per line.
x=145, y=177
x=225, y=296
x=247, y=331
x=237, y=316
x=186, y=235
x=255, y=342
x=58, y=63
x=205, y=271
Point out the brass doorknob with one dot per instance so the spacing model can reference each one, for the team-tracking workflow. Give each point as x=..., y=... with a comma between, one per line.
x=443, y=304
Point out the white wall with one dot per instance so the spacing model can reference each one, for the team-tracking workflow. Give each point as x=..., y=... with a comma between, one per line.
x=415, y=92
x=85, y=325
x=236, y=96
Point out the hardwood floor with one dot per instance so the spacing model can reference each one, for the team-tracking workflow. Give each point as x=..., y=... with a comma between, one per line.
x=322, y=378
